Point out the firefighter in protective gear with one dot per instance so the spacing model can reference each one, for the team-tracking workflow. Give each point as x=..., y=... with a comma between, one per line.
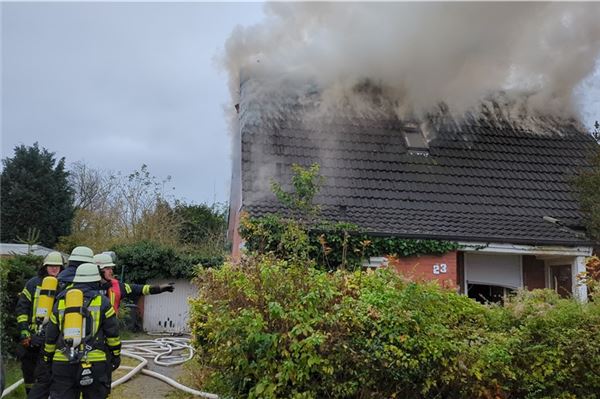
x=82, y=339
x=116, y=290
x=31, y=326
x=78, y=256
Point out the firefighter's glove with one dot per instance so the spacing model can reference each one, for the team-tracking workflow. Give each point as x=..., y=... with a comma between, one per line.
x=167, y=287
x=25, y=338
x=115, y=362
x=37, y=340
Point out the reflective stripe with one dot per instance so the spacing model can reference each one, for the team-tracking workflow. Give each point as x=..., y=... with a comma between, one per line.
x=49, y=348
x=53, y=318
x=110, y=312
x=113, y=341
x=22, y=318
x=93, y=308
x=95, y=355
x=26, y=293
x=146, y=290
x=127, y=288
x=36, y=299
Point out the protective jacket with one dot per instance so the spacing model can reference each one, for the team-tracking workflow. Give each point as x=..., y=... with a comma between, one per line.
x=67, y=275
x=116, y=290
x=102, y=330
x=27, y=305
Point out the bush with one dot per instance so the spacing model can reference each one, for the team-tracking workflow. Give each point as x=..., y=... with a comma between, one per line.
x=147, y=260
x=14, y=273
x=270, y=328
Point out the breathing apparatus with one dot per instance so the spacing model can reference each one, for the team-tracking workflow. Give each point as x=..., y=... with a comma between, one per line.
x=46, y=300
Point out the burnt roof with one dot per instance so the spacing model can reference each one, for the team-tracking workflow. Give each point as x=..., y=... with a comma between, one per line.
x=482, y=179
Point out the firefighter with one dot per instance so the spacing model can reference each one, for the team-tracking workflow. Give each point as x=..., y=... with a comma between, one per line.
x=78, y=256
x=82, y=339
x=116, y=290
x=31, y=326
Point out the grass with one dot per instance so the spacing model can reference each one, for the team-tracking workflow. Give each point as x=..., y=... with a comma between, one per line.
x=118, y=391
x=13, y=374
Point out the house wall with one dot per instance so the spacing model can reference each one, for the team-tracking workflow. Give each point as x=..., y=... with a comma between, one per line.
x=236, y=240
x=428, y=267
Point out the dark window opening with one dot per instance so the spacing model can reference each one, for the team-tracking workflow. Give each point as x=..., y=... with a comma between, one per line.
x=488, y=293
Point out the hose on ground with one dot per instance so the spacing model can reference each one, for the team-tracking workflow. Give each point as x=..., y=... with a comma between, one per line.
x=11, y=388
x=164, y=351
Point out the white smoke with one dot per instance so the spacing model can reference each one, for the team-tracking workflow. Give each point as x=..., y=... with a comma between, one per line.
x=421, y=54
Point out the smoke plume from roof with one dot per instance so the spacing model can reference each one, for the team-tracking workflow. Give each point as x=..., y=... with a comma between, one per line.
x=421, y=54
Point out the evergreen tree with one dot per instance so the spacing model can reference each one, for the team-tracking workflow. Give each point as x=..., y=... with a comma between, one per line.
x=35, y=194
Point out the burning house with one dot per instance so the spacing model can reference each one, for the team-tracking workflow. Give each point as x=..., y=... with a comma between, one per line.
x=407, y=159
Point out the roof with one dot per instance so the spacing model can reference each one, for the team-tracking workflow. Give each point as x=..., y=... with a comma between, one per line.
x=23, y=249
x=483, y=180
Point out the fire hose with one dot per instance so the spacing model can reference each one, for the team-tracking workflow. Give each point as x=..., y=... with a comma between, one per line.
x=165, y=351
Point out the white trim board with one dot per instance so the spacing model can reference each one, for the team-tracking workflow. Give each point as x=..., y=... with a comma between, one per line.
x=524, y=249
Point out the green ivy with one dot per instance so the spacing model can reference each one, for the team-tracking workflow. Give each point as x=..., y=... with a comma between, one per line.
x=330, y=245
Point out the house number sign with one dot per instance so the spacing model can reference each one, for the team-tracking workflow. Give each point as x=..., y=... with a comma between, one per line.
x=441, y=268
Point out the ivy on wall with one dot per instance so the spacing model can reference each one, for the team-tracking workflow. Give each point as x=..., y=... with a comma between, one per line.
x=330, y=245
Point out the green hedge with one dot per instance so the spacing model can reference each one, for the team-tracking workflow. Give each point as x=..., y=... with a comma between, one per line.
x=14, y=273
x=271, y=329
x=147, y=260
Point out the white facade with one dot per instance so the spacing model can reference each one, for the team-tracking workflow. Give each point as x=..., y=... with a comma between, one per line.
x=169, y=311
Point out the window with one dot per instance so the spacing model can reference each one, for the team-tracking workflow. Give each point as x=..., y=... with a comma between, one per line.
x=415, y=139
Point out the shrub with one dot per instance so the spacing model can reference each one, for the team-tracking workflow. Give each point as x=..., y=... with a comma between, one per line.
x=14, y=273
x=146, y=260
x=271, y=328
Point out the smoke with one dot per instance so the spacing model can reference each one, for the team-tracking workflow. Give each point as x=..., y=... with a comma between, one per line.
x=417, y=55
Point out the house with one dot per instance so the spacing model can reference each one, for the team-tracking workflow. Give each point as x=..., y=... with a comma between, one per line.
x=10, y=249
x=498, y=185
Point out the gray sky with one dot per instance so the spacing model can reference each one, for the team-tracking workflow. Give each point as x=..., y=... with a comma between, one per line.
x=117, y=85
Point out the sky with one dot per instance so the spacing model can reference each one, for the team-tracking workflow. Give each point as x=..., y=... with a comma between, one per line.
x=118, y=85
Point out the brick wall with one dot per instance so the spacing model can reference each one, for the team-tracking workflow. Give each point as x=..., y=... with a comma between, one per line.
x=424, y=267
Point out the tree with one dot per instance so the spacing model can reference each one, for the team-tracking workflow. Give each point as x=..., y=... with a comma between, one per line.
x=118, y=208
x=202, y=227
x=91, y=187
x=587, y=185
x=35, y=194
x=588, y=190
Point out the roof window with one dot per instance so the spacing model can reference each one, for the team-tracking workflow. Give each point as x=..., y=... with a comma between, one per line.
x=415, y=139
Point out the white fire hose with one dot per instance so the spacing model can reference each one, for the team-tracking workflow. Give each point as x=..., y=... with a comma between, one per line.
x=165, y=351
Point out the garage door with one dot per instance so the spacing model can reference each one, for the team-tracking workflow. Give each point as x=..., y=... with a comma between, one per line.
x=492, y=269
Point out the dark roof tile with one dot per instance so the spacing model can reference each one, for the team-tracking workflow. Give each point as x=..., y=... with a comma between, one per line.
x=479, y=182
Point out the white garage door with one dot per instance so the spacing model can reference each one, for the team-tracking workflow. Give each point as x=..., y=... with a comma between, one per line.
x=492, y=269
x=168, y=312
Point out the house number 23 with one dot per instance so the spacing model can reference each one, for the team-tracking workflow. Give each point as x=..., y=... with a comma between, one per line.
x=441, y=268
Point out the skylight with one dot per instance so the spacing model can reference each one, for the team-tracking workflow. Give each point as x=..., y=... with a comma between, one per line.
x=415, y=139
